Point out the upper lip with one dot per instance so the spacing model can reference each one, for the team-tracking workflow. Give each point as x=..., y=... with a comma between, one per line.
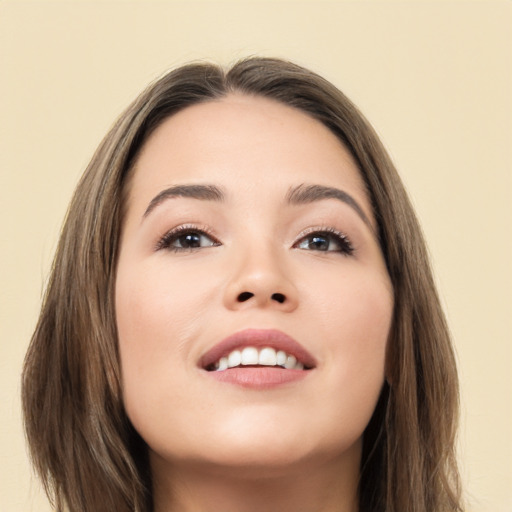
x=258, y=338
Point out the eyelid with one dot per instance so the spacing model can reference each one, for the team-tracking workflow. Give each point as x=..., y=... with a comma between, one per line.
x=329, y=230
x=164, y=241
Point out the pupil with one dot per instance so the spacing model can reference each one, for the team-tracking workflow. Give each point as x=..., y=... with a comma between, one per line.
x=319, y=242
x=190, y=240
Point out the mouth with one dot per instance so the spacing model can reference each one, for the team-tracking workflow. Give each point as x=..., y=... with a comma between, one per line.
x=257, y=348
x=253, y=357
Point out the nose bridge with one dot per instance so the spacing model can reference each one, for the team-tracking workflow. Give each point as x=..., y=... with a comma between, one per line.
x=260, y=277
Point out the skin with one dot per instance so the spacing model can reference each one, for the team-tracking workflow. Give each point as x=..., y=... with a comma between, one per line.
x=216, y=446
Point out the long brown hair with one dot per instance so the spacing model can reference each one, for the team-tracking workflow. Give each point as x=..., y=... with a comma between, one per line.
x=82, y=444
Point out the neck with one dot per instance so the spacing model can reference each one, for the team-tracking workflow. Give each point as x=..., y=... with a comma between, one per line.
x=327, y=486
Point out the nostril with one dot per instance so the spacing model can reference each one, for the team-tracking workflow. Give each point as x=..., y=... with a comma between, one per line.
x=245, y=296
x=279, y=297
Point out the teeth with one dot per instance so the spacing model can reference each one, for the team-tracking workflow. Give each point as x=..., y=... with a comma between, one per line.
x=252, y=356
x=268, y=357
x=281, y=358
x=290, y=362
x=249, y=356
x=234, y=358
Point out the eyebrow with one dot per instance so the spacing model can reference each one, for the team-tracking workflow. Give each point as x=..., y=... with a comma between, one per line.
x=304, y=194
x=201, y=192
x=300, y=194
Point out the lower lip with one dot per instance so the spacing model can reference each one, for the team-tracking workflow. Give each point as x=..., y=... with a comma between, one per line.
x=258, y=378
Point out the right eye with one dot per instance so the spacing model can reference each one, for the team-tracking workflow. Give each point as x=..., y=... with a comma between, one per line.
x=186, y=239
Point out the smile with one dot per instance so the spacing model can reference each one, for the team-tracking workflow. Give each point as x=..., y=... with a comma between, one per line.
x=251, y=356
x=258, y=358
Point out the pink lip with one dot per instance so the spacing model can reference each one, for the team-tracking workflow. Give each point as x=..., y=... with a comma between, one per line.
x=258, y=338
x=258, y=378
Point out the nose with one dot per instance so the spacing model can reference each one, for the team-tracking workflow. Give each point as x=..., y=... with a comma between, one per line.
x=261, y=280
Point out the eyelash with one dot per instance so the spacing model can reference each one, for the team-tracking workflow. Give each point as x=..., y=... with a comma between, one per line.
x=171, y=236
x=329, y=233
x=346, y=247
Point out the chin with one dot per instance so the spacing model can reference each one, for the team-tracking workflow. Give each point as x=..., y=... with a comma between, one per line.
x=270, y=452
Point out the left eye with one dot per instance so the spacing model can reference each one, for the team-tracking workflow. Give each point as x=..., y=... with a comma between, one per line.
x=183, y=240
x=325, y=241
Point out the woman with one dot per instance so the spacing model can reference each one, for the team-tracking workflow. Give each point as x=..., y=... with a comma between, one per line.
x=241, y=314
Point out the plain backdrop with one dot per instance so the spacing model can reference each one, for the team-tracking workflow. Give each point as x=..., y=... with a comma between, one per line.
x=435, y=80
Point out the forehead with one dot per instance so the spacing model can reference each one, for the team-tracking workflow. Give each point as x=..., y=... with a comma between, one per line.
x=244, y=142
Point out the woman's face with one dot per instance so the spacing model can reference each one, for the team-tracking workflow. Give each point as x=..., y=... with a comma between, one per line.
x=248, y=227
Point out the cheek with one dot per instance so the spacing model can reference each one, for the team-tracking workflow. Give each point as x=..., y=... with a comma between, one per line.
x=364, y=321
x=156, y=306
x=353, y=305
x=355, y=324
x=157, y=313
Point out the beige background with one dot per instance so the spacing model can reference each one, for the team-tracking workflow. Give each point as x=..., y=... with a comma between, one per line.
x=433, y=77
